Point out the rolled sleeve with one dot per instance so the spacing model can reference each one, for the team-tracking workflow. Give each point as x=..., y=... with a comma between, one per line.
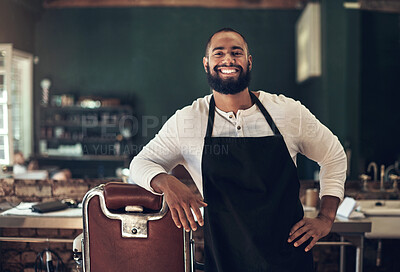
x=321, y=145
x=160, y=155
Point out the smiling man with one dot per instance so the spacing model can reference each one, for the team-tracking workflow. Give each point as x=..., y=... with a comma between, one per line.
x=240, y=148
x=228, y=77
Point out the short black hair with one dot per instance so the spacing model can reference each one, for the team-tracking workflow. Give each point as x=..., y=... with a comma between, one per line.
x=226, y=29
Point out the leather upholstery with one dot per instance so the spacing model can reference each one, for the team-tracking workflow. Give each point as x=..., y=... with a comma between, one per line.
x=119, y=195
x=162, y=251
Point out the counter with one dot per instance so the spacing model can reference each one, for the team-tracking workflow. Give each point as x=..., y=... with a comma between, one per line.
x=37, y=222
x=341, y=225
x=351, y=231
x=346, y=225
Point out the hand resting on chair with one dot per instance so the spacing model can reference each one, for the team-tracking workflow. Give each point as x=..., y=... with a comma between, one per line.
x=180, y=200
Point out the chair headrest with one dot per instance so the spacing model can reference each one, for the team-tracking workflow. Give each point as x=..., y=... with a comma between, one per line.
x=118, y=195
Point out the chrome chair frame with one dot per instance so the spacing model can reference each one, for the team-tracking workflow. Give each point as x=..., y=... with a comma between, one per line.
x=133, y=225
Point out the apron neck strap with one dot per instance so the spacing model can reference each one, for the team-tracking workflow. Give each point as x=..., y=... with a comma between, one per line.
x=211, y=115
x=268, y=117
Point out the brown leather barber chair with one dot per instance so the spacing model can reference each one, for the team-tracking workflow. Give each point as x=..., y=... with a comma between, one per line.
x=127, y=228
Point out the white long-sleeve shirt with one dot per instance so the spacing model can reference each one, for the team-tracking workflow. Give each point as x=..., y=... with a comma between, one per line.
x=181, y=140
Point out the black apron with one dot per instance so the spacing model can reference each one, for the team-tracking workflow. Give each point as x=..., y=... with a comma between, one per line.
x=252, y=190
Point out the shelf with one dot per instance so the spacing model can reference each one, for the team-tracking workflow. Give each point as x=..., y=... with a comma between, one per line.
x=83, y=158
x=91, y=142
x=83, y=140
x=78, y=124
x=119, y=108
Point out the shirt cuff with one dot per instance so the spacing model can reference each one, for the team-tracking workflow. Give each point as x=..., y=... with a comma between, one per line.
x=332, y=192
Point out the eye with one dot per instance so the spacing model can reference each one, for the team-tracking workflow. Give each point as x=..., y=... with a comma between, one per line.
x=218, y=54
x=237, y=53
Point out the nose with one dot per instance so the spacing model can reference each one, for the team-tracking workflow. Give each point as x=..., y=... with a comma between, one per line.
x=228, y=60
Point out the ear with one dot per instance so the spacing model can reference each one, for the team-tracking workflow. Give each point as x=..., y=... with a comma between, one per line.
x=205, y=63
x=250, y=62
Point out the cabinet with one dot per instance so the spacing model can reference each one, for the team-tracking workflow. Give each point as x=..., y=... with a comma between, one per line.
x=79, y=134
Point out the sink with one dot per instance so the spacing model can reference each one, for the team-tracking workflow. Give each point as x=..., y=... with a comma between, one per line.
x=384, y=216
x=379, y=207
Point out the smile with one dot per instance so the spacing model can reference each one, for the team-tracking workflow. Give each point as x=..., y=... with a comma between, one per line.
x=228, y=70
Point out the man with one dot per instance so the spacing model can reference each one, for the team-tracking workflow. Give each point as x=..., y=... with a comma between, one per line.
x=240, y=148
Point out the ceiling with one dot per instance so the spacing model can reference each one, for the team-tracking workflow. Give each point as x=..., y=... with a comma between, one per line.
x=392, y=6
x=248, y=4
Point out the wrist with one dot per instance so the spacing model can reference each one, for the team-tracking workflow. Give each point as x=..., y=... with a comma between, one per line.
x=158, y=183
x=326, y=218
x=328, y=208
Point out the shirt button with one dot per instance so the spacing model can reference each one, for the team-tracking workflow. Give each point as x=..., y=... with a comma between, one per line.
x=238, y=127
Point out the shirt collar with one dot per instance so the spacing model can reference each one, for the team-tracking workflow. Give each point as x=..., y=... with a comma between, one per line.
x=245, y=112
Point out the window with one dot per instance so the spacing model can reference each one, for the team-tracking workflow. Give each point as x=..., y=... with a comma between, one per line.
x=15, y=103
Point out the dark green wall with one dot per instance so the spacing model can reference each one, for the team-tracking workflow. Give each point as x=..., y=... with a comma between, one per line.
x=334, y=97
x=153, y=56
x=380, y=92
x=357, y=95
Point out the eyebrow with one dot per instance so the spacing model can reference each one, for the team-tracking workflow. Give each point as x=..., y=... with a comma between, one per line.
x=221, y=48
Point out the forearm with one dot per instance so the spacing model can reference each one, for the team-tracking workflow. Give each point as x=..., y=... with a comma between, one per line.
x=143, y=170
x=160, y=155
x=328, y=207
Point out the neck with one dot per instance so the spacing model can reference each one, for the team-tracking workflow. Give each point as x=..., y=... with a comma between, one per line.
x=233, y=102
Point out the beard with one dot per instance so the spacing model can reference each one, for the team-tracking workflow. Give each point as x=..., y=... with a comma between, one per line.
x=231, y=85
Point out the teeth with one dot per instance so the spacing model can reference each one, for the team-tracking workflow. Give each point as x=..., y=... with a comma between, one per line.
x=228, y=71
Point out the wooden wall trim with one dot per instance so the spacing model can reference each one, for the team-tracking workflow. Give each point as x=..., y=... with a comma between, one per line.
x=245, y=4
x=34, y=6
x=381, y=5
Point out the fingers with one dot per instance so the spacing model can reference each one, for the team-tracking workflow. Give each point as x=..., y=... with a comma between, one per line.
x=199, y=217
x=304, y=238
x=175, y=218
x=190, y=217
x=297, y=226
x=181, y=201
x=311, y=244
x=197, y=211
x=202, y=203
x=297, y=233
x=296, y=230
x=183, y=216
x=308, y=228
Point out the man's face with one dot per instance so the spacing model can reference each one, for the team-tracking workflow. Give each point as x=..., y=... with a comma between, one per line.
x=228, y=64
